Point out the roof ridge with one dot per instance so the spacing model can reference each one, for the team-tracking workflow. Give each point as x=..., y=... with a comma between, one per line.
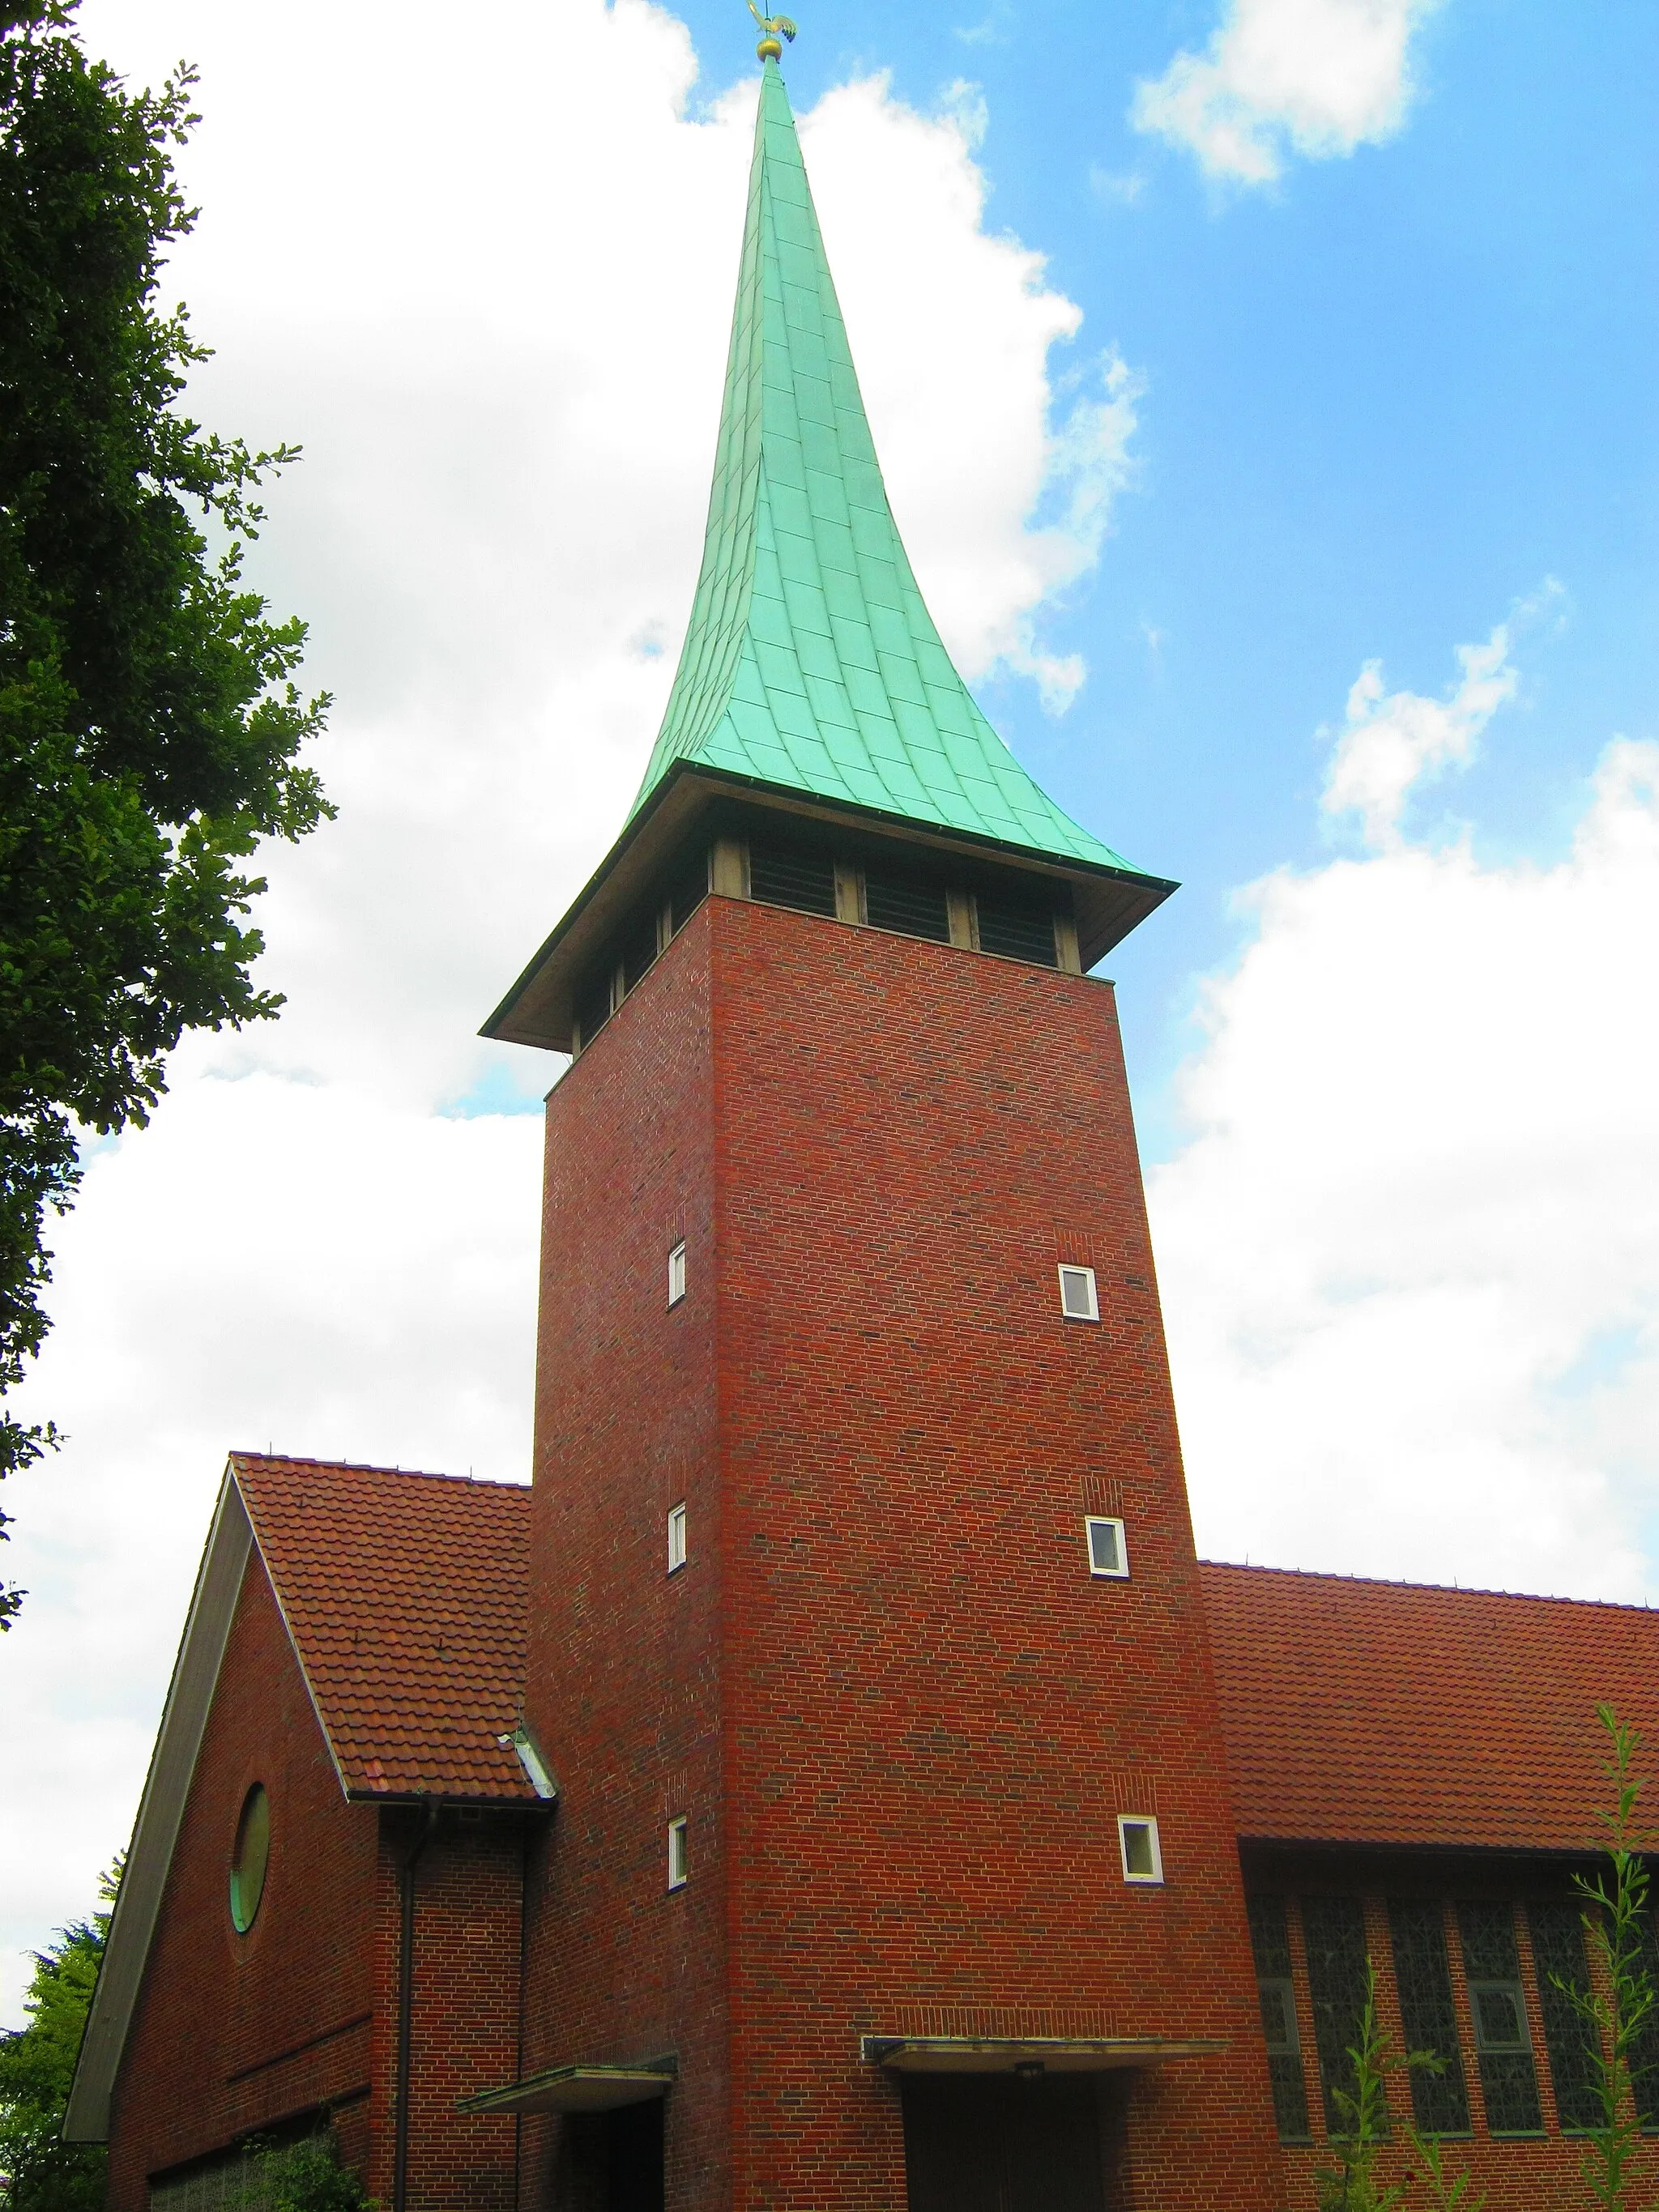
x=1447, y=1589
x=373, y=1466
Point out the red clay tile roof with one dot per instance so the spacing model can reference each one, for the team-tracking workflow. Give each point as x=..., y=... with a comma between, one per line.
x=406, y=1595
x=1385, y=1712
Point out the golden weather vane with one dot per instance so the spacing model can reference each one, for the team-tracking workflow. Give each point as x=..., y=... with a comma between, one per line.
x=773, y=28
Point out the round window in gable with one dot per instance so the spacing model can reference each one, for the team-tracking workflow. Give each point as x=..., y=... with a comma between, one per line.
x=249, y=1858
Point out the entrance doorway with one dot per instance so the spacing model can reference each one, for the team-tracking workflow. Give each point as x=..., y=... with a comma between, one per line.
x=993, y=2142
x=611, y=2161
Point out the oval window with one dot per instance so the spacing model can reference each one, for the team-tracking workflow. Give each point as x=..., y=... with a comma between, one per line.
x=251, y=1857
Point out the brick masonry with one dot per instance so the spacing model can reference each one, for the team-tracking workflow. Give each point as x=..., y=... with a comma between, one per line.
x=235, y=2035
x=900, y=1715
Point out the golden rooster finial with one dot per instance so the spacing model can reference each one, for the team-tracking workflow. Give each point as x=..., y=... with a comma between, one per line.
x=773, y=28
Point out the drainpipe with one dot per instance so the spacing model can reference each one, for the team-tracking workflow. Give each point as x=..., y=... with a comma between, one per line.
x=406, y=1867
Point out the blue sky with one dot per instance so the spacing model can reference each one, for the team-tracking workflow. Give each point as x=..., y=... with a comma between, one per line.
x=1386, y=397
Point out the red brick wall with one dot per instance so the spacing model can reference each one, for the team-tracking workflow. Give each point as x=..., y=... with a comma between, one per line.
x=466, y=2021
x=232, y=2032
x=623, y=1688
x=1542, y=2174
x=901, y=1714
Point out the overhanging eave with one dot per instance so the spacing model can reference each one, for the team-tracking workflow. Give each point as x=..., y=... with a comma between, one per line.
x=580, y=2088
x=1037, y=2054
x=540, y=1009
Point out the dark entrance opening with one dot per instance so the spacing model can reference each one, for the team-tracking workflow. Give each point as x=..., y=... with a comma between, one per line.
x=994, y=2142
x=612, y=2162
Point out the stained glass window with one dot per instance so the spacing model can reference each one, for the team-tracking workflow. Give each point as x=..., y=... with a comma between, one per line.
x=1270, y=1941
x=1417, y=1930
x=1491, y=1966
x=1558, y=1949
x=1645, y=2050
x=1334, y=1933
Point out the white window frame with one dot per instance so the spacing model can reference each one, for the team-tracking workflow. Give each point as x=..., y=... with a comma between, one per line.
x=1120, y=1573
x=1148, y=1821
x=677, y=1551
x=1086, y=1276
x=679, y=1854
x=677, y=1272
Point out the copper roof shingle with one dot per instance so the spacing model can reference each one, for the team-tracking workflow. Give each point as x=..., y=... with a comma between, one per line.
x=406, y=1595
x=1390, y=1713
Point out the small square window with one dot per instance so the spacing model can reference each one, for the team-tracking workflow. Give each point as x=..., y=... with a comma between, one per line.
x=1137, y=1839
x=676, y=1538
x=676, y=1273
x=1076, y=1294
x=1109, y=1554
x=677, y=1854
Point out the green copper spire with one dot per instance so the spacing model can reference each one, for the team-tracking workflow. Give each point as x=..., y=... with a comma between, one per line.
x=811, y=664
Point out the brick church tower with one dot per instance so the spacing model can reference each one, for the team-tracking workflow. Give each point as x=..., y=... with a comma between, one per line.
x=893, y=1859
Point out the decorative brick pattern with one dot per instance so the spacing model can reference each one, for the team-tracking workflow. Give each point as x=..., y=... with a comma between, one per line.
x=904, y=1710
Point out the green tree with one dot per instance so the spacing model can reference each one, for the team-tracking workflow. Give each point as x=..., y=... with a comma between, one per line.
x=1356, y=2183
x=38, y=2172
x=150, y=728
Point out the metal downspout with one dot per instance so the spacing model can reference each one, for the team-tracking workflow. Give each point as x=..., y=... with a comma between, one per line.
x=406, y=2005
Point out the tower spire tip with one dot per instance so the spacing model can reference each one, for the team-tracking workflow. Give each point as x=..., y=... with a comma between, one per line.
x=773, y=30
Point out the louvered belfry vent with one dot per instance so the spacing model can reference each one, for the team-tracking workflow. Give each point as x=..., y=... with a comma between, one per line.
x=1017, y=930
x=689, y=892
x=639, y=950
x=792, y=876
x=912, y=909
x=593, y=1007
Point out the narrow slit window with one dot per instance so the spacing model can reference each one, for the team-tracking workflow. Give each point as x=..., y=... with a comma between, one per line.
x=1109, y=1555
x=1270, y=1943
x=676, y=1273
x=1333, y=1936
x=1422, y=1976
x=1558, y=1949
x=676, y=1538
x=1137, y=1845
x=1078, y=1300
x=1503, y=2043
x=678, y=1862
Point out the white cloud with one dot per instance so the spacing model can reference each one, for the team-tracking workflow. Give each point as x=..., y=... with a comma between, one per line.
x=1410, y=1255
x=1313, y=77
x=492, y=302
x=1393, y=742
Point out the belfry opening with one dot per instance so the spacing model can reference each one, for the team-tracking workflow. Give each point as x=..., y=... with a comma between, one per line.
x=832, y=1781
